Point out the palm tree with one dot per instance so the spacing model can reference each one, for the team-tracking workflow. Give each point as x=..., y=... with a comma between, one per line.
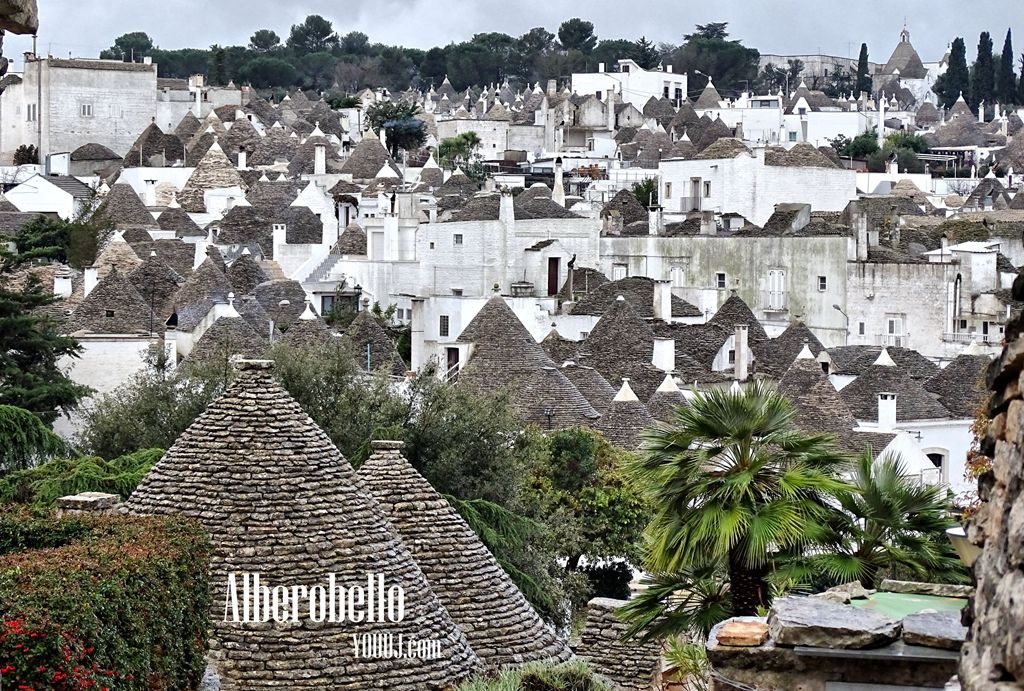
x=735, y=483
x=891, y=525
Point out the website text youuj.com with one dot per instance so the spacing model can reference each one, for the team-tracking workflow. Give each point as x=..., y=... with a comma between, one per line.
x=248, y=599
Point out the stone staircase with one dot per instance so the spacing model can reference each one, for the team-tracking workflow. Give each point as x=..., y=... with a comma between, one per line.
x=323, y=270
x=272, y=269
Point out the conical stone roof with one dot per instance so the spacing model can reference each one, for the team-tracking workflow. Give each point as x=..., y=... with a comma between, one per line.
x=187, y=126
x=196, y=296
x=667, y=397
x=214, y=171
x=626, y=419
x=371, y=346
x=589, y=382
x=157, y=283
x=499, y=623
x=246, y=273
x=230, y=336
x=122, y=207
x=278, y=499
x=884, y=376
x=177, y=219
x=112, y=307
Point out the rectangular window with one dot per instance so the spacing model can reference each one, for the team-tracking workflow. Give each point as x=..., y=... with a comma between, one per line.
x=792, y=136
x=583, y=335
x=619, y=271
x=30, y=112
x=326, y=303
x=677, y=275
x=860, y=328
x=86, y=110
x=109, y=313
x=668, y=190
x=963, y=323
x=720, y=280
x=457, y=238
x=442, y=326
x=802, y=111
x=707, y=188
x=822, y=284
x=665, y=91
x=116, y=111
x=894, y=324
x=431, y=245
x=679, y=94
x=732, y=356
x=457, y=292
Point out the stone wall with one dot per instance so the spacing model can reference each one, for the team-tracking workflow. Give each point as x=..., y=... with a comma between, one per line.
x=993, y=658
x=629, y=666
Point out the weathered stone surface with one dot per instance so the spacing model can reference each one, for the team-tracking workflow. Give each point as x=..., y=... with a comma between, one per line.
x=631, y=666
x=915, y=588
x=935, y=630
x=823, y=624
x=844, y=593
x=19, y=16
x=992, y=659
x=88, y=501
x=743, y=633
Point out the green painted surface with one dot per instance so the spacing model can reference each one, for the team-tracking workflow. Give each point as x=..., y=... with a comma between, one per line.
x=899, y=605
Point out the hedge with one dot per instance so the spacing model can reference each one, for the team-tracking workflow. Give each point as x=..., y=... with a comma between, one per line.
x=540, y=676
x=102, y=602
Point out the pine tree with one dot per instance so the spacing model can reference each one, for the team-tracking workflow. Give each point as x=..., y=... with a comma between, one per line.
x=983, y=75
x=863, y=74
x=956, y=79
x=1006, y=80
x=31, y=346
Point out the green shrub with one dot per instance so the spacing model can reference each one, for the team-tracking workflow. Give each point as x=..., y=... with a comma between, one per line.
x=43, y=485
x=113, y=602
x=540, y=676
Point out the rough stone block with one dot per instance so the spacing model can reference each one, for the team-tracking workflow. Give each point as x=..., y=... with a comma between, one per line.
x=935, y=630
x=822, y=624
x=743, y=633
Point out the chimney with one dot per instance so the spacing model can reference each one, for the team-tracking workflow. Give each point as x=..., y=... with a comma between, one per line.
x=610, y=103
x=506, y=210
x=654, y=221
x=279, y=232
x=707, y=223
x=664, y=354
x=558, y=190
x=197, y=107
x=886, y=411
x=740, y=347
x=242, y=158
x=62, y=285
x=668, y=68
x=90, y=280
x=600, y=67
x=663, y=301
x=859, y=221
x=552, y=88
x=150, y=199
x=320, y=159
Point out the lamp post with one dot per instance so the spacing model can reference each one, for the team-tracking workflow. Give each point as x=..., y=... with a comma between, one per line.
x=549, y=413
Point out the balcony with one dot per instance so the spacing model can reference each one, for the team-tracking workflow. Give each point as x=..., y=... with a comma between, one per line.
x=966, y=337
x=891, y=340
x=688, y=204
x=774, y=301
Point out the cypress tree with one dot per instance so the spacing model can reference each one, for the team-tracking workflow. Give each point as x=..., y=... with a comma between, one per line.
x=863, y=74
x=31, y=345
x=1006, y=80
x=984, y=74
x=956, y=79
x=1020, y=86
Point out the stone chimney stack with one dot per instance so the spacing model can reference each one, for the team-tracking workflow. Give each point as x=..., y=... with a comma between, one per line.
x=62, y=284
x=320, y=159
x=740, y=348
x=90, y=280
x=886, y=411
x=707, y=223
x=558, y=190
x=242, y=158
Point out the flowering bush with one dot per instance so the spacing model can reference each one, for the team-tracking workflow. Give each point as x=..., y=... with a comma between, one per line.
x=104, y=602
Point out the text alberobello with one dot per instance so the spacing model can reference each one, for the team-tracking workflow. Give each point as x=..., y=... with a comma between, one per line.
x=253, y=602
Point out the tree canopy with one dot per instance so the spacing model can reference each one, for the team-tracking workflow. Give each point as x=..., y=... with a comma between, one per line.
x=577, y=34
x=313, y=35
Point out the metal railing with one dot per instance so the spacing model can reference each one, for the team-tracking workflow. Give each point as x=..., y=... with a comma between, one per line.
x=968, y=337
x=893, y=340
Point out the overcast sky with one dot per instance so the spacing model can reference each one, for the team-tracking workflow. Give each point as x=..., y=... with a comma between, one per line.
x=771, y=26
